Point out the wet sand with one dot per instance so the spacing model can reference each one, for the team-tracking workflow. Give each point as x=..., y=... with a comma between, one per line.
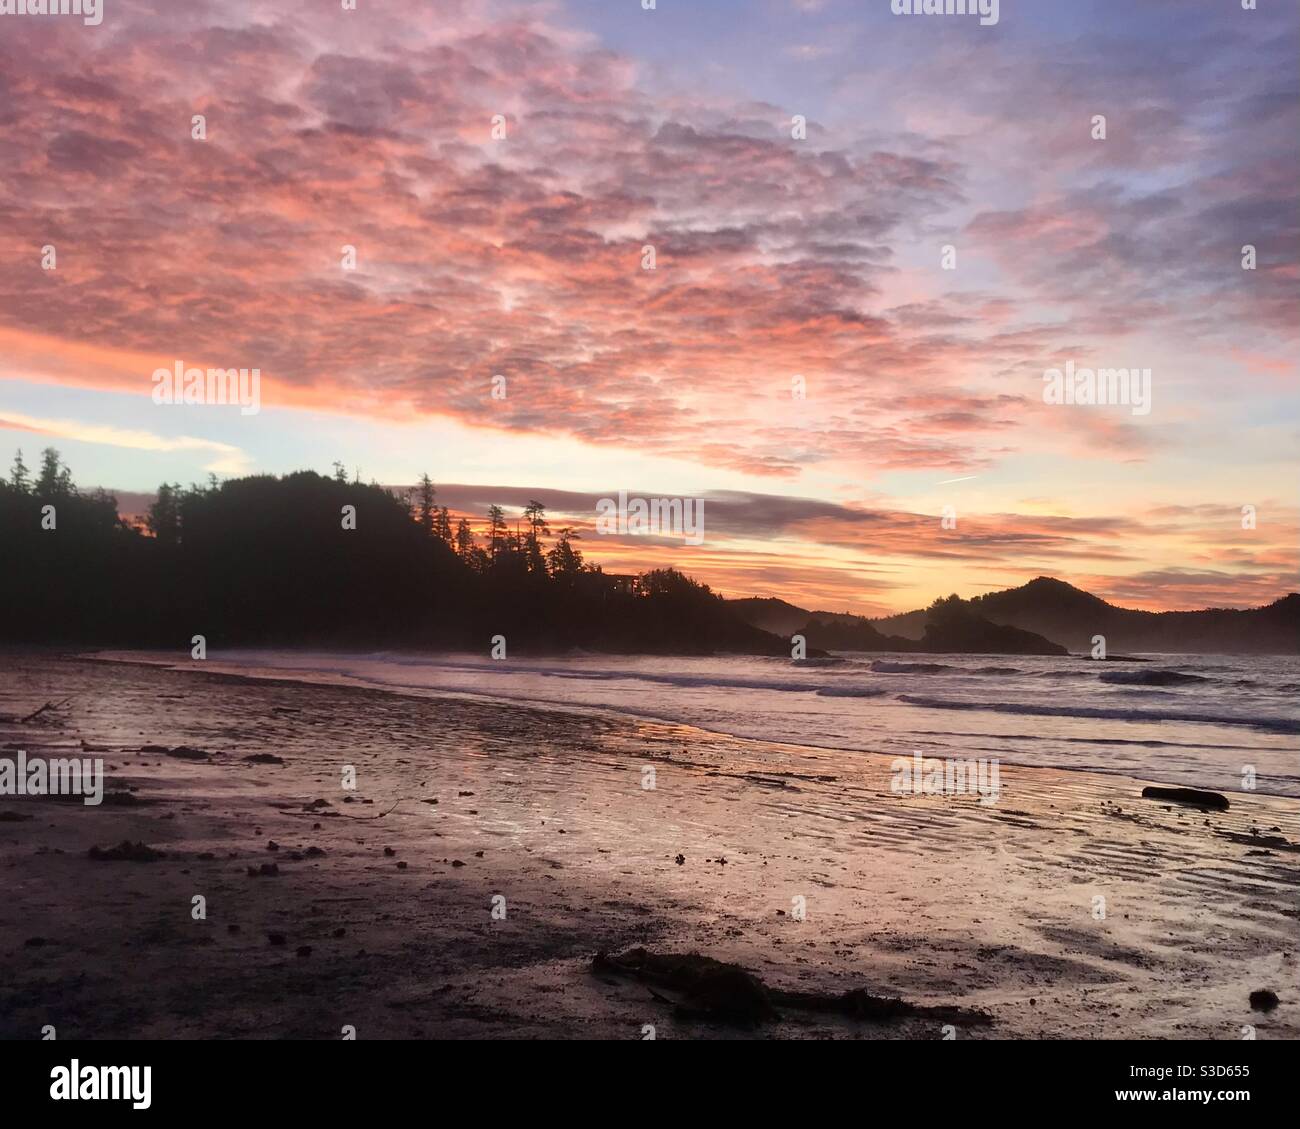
x=940, y=900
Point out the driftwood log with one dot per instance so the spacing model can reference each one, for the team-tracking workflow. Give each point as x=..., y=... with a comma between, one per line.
x=1193, y=796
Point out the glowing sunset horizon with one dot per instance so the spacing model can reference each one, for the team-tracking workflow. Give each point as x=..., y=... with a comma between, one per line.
x=806, y=262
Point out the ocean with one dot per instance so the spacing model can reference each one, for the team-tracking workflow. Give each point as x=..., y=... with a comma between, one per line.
x=1223, y=722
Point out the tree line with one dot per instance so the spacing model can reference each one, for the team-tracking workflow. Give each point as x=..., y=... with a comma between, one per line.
x=267, y=560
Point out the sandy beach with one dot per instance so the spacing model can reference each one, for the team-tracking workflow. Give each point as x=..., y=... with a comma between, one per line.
x=490, y=850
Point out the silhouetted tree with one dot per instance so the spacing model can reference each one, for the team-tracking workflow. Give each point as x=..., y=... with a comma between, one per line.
x=55, y=480
x=565, y=561
x=535, y=515
x=19, y=477
x=426, y=494
x=164, y=517
x=464, y=539
x=497, y=534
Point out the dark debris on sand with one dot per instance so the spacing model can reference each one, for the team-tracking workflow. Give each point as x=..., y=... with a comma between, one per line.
x=185, y=753
x=180, y=752
x=1263, y=1000
x=126, y=851
x=714, y=990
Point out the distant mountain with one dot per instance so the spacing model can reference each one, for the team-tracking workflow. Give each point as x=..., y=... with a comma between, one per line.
x=850, y=635
x=951, y=628
x=783, y=618
x=1059, y=612
x=769, y=614
x=910, y=625
x=1071, y=616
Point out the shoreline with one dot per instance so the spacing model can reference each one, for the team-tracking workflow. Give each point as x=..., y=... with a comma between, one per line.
x=939, y=900
x=308, y=677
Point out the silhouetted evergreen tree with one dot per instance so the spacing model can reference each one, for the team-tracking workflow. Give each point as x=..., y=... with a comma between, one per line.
x=19, y=475
x=442, y=526
x=427, y=510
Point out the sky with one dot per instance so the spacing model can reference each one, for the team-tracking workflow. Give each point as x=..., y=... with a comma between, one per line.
x=840, y=348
